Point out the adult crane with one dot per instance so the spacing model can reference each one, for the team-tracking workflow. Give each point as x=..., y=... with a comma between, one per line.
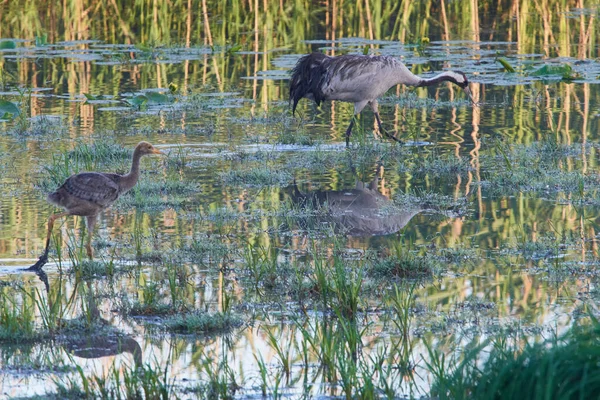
x=358, y=79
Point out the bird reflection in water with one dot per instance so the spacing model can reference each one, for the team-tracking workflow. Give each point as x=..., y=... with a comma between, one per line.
x=360, y=211
x=91, y=336
x=94, y=345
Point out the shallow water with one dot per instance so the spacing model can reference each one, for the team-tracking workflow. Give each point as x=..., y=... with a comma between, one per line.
x=505, y=190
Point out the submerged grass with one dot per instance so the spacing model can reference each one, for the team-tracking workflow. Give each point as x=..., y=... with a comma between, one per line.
x=203, y=250
x=356, y=157
x=542, y=168
x=262, y=266
x=256, y=176
x=134, y=382
x=335, y=285
x=412, y=100
x=89, y=269
x=445, y=167
x=291, y=137
x=220, y=378
x=202, y=323
x=431, y=201
x=408, y=265
x=156, y=195
x=18, y=319
x=50, y=127
x=550, y=245
x=151, y=301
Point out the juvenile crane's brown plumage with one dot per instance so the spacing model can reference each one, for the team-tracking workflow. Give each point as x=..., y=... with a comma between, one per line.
x=88, y=193
x=357, y=79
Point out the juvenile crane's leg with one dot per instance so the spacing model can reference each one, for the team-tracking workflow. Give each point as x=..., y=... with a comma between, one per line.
x=91, y=223
x=44, y=257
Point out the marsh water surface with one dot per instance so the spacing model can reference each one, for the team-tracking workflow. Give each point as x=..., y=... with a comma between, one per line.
x=310, y=268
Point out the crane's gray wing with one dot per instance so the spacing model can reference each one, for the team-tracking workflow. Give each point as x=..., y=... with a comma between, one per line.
x=94, y=187
x=357, y=78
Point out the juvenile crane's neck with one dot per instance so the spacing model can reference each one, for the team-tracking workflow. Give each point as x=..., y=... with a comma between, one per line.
x=129, y=180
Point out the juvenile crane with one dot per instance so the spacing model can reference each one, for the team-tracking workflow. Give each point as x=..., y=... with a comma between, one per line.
x=358, y=79
x=88, y=193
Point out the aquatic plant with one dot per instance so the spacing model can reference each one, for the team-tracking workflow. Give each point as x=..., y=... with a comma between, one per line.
x=408, y=265
x=141, y=381
x=202, y=323
x=559, y=368
x=257, y=176
x=17, y=319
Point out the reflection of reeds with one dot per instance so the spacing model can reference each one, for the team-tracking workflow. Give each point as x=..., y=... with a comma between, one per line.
x=538, y=22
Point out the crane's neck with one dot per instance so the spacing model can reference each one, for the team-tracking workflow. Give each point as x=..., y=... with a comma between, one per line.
x=129, y=180
x=401, y=74
x=130, y=345
x=449, y=76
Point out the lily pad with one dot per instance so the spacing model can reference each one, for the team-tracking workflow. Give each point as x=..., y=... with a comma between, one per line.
x=137, y=101
x=234, y=49
x=41, y=40
x=92, y=97
x=98, y=99
x=7, y=45
x=565, y=71
x=8, y=110
x=158, y=98
x=143, y=47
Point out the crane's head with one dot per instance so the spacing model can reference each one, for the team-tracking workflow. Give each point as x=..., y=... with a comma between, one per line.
x=459, y=78
x=146, y=148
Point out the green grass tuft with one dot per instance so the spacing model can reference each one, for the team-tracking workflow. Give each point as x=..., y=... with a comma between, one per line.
x=259, y=176
x=405, y=266
x=564, y=368
x=200, y=322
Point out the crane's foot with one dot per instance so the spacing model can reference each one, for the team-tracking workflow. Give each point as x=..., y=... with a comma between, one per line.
x=39, y=264
x=393, y=137
x=381, y=129
x=44, y=278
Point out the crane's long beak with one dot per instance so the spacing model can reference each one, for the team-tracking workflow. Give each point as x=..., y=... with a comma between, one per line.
x=468, y=92
x=157, y=151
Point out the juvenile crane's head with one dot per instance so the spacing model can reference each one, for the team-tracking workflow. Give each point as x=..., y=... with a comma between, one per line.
x=146, y=148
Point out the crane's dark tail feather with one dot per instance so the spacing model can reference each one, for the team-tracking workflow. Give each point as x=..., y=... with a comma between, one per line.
x=306, y=79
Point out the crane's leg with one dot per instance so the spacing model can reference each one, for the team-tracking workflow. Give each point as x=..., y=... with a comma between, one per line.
x=375, y=108
x=358, y=107
x=91, y=223
x=44, y=257
x=349, y=131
